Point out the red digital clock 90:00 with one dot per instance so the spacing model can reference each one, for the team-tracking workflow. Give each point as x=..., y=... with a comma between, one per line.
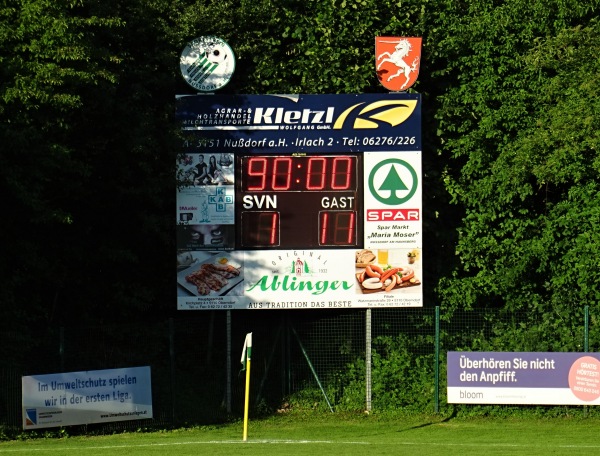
x=299, y=201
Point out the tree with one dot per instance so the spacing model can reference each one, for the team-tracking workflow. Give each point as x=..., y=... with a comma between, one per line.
x=89, y=142
x=519, y=131
x=48, y=60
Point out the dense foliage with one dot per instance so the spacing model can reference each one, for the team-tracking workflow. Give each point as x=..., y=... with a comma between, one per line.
x=88, y=144
x=520, y=136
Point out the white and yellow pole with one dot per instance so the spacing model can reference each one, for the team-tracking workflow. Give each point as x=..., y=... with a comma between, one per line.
x=246, y=357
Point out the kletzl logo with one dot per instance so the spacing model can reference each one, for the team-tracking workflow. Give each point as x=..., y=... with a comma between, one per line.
x=397, y=61
x=207, y=63
x=362, y=116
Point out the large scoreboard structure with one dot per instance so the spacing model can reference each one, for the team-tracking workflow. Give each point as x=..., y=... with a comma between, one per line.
x=299, y=201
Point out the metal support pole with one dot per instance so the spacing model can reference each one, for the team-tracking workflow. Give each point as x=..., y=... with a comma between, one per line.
x=368, y=379
x=268, y=365
x=586, y=341
x=172, y=362
x=61, y=348
x=437, y=360
x=586, y=336
x=229, y=373
x=312, y=369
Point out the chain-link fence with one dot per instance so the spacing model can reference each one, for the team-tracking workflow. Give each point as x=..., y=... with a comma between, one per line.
x=330, y=360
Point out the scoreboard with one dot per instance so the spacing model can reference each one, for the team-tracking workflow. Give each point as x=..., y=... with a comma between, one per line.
x=299, y=201
x=321, y=190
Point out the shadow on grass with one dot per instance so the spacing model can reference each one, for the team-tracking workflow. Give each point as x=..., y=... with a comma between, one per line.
x=424, y=425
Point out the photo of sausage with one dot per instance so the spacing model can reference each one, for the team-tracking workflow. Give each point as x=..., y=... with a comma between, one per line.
x=386, y=278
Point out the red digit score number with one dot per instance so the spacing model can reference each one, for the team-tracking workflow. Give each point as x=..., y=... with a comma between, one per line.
x=299, y=201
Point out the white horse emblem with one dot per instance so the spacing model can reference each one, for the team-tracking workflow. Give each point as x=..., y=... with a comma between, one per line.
x=396, y=58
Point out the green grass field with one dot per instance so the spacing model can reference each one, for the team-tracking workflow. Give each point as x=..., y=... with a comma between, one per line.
x=335, y=434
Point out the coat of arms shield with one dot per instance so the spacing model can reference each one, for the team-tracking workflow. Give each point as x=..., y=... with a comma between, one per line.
x=397, y=61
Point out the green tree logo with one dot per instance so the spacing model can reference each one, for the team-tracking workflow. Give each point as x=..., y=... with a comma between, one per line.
x=393, y=183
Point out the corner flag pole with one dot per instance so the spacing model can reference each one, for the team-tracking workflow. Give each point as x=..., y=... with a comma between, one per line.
x=246, y=355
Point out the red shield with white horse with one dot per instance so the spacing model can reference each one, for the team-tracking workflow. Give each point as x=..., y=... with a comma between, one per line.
x=397, y=61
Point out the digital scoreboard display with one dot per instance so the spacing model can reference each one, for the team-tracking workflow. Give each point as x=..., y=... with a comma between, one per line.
x=299, y=201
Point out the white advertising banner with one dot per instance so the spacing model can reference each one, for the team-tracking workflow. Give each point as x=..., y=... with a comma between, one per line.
x=393, y=200
x=532, y=378
x=301, y=279
x=86, y=397
x=393, y=225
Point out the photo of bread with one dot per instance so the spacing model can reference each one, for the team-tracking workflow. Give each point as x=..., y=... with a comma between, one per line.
x=364, y=258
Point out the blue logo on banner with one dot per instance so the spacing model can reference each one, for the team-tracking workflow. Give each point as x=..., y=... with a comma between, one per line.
x=30, y=417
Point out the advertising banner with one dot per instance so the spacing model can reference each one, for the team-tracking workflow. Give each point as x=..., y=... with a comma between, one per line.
x=86, y=397
x=299, y=279
x=535, y=378
x=300, y=123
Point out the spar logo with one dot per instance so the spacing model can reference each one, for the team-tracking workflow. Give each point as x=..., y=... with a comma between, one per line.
x=361, y=116
x=393, y=182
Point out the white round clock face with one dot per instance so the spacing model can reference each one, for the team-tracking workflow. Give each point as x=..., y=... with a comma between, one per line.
x=207, y=63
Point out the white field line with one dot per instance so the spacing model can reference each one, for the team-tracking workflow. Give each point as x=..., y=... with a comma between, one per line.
x=166, y=444
x=289, y=442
